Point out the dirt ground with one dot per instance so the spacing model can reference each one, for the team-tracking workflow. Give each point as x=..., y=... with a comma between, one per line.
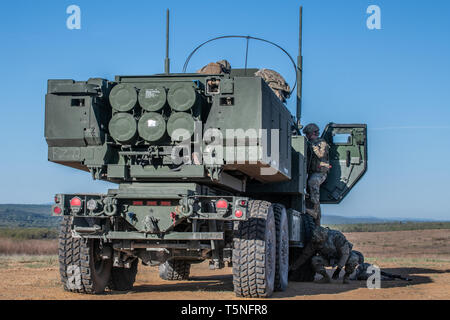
x=422, y=255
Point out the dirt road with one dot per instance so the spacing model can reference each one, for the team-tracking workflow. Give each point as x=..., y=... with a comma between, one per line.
x=422, y=255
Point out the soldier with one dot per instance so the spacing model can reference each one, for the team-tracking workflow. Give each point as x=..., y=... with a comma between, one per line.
x=318, y=168
x=329, y=248
x=219, y=67
x=276, y=82
x=362, y=273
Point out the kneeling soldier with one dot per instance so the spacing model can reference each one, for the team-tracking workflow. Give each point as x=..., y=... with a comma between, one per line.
x=329, y=248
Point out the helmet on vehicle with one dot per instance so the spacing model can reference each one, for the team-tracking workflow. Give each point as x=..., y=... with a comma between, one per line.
x=310, y=128
x=225, y=65
x=219, y=67
x=276, y=82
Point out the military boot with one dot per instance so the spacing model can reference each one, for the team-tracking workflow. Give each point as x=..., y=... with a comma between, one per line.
x=346, y=278
x=326, y=277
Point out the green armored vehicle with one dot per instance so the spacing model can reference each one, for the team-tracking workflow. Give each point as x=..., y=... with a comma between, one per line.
x=208, y=166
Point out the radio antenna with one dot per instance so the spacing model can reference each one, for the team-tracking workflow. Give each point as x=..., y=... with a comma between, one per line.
x=167, y=60
x=299, y=71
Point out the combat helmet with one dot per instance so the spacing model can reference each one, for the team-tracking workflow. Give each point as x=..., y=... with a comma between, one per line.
x=276, y=82
x=310, y=128
x=219, y=67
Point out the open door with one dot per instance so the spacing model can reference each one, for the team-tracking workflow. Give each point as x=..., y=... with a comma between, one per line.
x=348, y=158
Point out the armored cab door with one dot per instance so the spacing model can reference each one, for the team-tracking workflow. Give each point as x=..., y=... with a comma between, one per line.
x=348, y=158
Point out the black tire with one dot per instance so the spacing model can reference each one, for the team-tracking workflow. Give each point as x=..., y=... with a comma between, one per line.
x=304, y=273
x=282, y=251
x=254, y=252
x=80, y=267
x=308, y=226
x=122, y=279
x=174, y=270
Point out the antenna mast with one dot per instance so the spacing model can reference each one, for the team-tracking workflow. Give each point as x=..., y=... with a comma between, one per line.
x=167, y=60
x=299, y=71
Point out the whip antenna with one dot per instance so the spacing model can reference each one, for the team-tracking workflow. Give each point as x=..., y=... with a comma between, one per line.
x=299, y=71
x=167, y=60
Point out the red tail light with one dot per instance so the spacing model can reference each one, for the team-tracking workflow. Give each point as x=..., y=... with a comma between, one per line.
x=222, y=204
x=165, y=203
x=75, y=202
x=57, y=210
x=238, y=214
x=152, y=203
x=138, y=203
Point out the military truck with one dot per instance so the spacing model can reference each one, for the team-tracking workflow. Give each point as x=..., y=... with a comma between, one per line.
x=208, y=167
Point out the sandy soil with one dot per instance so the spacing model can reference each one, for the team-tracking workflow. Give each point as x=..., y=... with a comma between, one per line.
x=423, y=256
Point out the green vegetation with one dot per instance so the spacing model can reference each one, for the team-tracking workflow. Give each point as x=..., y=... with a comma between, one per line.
x=28, y=261
x=28, y=233
x=390, y=226
x=27, y=216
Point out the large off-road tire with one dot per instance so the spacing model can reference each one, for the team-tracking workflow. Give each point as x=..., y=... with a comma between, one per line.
x=122, y=279
x=81, y=268
x=304, y=273
x=308, y=226
x=254, y=252
x=174, y=270
x=282, y=251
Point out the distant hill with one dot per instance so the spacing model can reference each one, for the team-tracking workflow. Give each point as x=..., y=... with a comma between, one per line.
x=336, y=220
x=332, y=219
x=27, y=216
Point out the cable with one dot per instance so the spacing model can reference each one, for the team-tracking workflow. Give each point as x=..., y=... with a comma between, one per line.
x=248, y=38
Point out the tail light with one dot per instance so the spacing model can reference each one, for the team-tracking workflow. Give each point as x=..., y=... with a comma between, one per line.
x=75, y=202
x=238, y=214
x=222, y=204
x=57, y=210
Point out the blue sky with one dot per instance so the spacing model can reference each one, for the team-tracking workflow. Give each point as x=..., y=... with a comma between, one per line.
x=397, y=80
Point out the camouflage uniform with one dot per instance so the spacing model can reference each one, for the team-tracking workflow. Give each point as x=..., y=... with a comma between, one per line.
x=317, y=170
x=329, y=248
x=361, y=273
x=219, y=67
x=276, y=82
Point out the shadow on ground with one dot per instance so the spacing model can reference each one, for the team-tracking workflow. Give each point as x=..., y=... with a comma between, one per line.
x=195, y=283
x=223, y=283
x=314, y=288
